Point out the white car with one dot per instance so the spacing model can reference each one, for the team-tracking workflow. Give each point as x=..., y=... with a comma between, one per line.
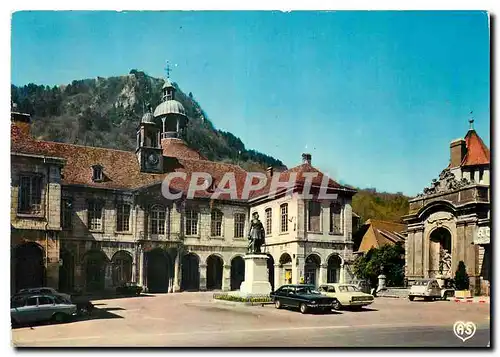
x=429, y=289
x=33, y=308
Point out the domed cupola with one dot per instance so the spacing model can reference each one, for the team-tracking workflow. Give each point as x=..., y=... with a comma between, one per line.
x=148, y=117
x=171, y=113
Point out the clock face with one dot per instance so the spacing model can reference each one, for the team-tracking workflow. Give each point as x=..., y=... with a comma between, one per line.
x=153, y=159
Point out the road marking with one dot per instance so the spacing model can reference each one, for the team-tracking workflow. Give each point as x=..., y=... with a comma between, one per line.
x=274, y=329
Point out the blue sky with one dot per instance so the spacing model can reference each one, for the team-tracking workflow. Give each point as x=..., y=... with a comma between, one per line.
x=375, y=97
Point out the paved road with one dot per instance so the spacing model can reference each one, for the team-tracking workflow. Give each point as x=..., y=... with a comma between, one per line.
x=193, y=320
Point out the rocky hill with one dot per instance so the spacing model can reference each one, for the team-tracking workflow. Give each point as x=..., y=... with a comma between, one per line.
x=105, y=112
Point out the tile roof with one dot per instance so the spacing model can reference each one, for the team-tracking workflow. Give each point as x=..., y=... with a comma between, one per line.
x=121, y=168
x=301, y=172
x=477, y=152
x=174, y=147
x=385, y=233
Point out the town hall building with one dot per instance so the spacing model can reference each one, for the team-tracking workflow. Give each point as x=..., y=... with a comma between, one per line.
x=89, y=219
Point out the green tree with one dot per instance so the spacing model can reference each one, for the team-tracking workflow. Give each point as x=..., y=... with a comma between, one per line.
x=387, y=260
x=461, y=277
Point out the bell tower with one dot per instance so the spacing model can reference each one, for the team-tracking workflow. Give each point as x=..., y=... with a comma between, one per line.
x=148, y=148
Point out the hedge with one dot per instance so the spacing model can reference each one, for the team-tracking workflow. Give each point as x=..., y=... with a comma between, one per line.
x=250, y=299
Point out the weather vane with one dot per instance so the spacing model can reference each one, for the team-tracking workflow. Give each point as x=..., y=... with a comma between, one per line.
x=168, y=69
x=471, y=120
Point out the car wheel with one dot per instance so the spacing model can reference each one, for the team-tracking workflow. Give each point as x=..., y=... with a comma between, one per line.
x=303, y=308
x=58, y=317
x=411, y=298
x=336, y=305
x=277, y=304
x=445, y=296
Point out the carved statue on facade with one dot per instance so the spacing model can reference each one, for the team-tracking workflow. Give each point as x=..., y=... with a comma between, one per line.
x=256, y=235
x=444, y=262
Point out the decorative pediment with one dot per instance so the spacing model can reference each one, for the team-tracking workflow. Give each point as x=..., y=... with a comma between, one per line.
x=445, y=183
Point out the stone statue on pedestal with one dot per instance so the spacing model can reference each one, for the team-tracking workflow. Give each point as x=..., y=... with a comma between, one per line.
x=256, y=235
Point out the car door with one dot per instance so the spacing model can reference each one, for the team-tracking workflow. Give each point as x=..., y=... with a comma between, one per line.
x=292, y=299
x=28, y=312
x=46, y=307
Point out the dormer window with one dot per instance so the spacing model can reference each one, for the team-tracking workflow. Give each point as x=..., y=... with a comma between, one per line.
x=97, y=173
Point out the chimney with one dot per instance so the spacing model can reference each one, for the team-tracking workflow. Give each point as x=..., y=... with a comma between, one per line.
x=270, y=171
x=458, y=149
x=306, y=159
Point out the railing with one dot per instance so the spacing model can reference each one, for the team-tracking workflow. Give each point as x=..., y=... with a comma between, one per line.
x=458, y=197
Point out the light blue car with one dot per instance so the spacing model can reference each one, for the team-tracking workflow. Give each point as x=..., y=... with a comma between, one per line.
x=27, y=309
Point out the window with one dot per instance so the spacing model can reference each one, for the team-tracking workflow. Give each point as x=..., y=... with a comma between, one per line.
x=95, y=216
x=158, y=217
x=336, y=218
x=97, y=174
x=284, y=217
x=216, y=226
x=239, y=225
x=30, y=194
x=32, y=301
x=45, y=300
x=123, y=218
x=66, y=213
x=314, y=216
x=191, y=222
x=331, y=289
x=269, y=221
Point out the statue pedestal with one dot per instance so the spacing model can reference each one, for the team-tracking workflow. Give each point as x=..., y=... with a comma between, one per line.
x=256, y=276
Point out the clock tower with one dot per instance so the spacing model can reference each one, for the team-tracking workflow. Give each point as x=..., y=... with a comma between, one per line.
x=148, y=150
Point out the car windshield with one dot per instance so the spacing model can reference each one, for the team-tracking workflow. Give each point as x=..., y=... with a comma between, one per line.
x=347, y=288
x=421, y=283
x=307, y=290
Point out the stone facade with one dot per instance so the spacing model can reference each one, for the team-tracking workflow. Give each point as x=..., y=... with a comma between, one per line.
x=444, y=222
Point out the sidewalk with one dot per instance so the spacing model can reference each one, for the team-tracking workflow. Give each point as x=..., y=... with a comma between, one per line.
x=475, y=299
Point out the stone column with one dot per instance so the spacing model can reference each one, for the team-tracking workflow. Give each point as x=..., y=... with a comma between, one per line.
x=203, y=276
x=226, y=278
x=177, y=272
x=79, y=278
x=323, y=271
x=342, y=273
x=381, y=282
x=108, y=276
x=278, y=272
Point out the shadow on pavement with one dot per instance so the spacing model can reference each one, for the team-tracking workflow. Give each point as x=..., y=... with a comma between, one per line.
x=106, y=296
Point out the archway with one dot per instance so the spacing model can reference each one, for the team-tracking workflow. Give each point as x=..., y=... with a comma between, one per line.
x=333, y=269
x=237, y=272
x=440, y=253
x=214, y=272
x=95, y=270
x=286, y=268
x=270, y=270
x=67, y=271
x=122, y=267
x=190, y=272
x=29, y=268
x=158, y=270
x=311, y=269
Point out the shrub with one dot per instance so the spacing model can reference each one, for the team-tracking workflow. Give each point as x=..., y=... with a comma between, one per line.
x=461, y=277
x=250, y=299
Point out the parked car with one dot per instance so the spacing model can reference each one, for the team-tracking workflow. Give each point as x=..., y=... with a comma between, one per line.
x=429, y=290
x=34, y=308
x=83, y=305
x=305, y=297
x=44, y=290
x=129, y=289
x=346, y=295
